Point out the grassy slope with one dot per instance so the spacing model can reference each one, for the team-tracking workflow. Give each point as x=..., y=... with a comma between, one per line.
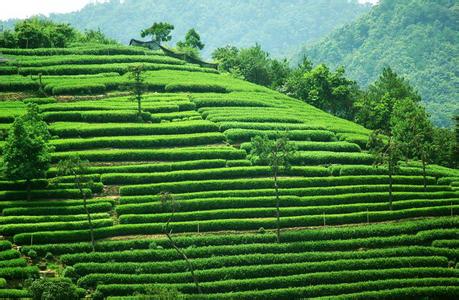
x=192, y=141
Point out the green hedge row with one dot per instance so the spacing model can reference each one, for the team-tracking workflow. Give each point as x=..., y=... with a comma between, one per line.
x=453, y=244
x=433, y=192
x=99, y=116
x=12, y=229
x=44, y=194
x=17, y=262
x=244, y=135
x=5, y=245
x=317, y=146
x=399, y=289
x=21, y=184
x=269, y=126
x=143, y=213
x=232, y=224
x=400, y=230
x=271, y=270
x=264, y=247
x=53, y=210
x=326, y=157
x=155, y=167
x=175, y=154
x=195, y=87
x=40, y=101
x=263, y=183
x=139, y=142
x=95, y=59
x=215, y=173
x=18, y=272
x=288, y=282
x=14, y=294
x=92, y=50
x=254, y=259
x=47, y=218
x=9, y=254
x=54, y=203
x=69, y=130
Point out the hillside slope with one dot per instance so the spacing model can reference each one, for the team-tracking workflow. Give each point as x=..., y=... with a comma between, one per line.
x=417, y=38
x=280, y=27
x=339, y=238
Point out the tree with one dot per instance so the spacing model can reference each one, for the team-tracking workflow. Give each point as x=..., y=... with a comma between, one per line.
x=445, y=148
x=159, y=32
x=385, y=153
x=277, y=154
x=137, y=86
x=26, y=153
x=75, y=167
x=192, y=40
x=227, y=58
x=375, y=107
x=413, y=131
x=322, y=88
x=169, y=203
x=53, y=289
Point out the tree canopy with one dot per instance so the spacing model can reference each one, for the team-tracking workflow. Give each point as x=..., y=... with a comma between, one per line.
x=417, y=38
x=160, y=32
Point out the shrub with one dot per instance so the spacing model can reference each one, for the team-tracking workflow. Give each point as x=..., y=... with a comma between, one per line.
x=53, y=289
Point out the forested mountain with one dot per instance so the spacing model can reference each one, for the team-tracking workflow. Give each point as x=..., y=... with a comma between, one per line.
x=417, y=38
x=281, y=27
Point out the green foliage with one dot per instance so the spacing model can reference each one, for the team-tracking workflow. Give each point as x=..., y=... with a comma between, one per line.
x=416, y=38
x=376, y=106
x=136, y=74
x=26, y=154
x=159, y=32
x=322, y=88
x=53, y=289
x=192, y=44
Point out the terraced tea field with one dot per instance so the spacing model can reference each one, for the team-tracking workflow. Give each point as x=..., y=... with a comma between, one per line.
x=339, y=237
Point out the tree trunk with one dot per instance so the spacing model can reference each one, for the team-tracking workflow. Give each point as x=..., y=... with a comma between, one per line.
x=139, y=104
x=190, y=265
x=29, y=187
x=390, y=186
x=424, y=175
x=276, y=188
x=85, y=205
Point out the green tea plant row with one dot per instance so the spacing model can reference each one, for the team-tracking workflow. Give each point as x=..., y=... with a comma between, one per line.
x=138, y=141
x=398, y=230
x=291, y=281
x=230, y=224
x=99, y=116
x=44, y=194
x=175, y=154
x=48, y=202
x=214, y=173
x=378, y=289
x=294, y=194
x=72, y=129
x=59, y=210
x=264, y=183
x=92, y=50
x=12, y=229
x=40, y=61
x=263, y=271
x=49, y=218
x=317, y=146
x=255, y=259
x=244, y=135
x=257, y=212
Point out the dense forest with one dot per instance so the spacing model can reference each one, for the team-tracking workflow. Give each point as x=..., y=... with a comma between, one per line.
x=279, y=26
x=417, y=38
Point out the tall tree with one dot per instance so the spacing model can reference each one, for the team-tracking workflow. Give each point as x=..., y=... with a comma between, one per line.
x=76, y=168
x=386, y=152
x=375, y=107
x=137, y=85
x=26, y=153
x=169, y=203
x=192, y=40
x=277, y=154
x=323, y=88
x=413, y=131
x=159, y=32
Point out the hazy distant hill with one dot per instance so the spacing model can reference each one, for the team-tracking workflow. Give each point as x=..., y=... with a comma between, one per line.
x=418, y=38
x=281, y=27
